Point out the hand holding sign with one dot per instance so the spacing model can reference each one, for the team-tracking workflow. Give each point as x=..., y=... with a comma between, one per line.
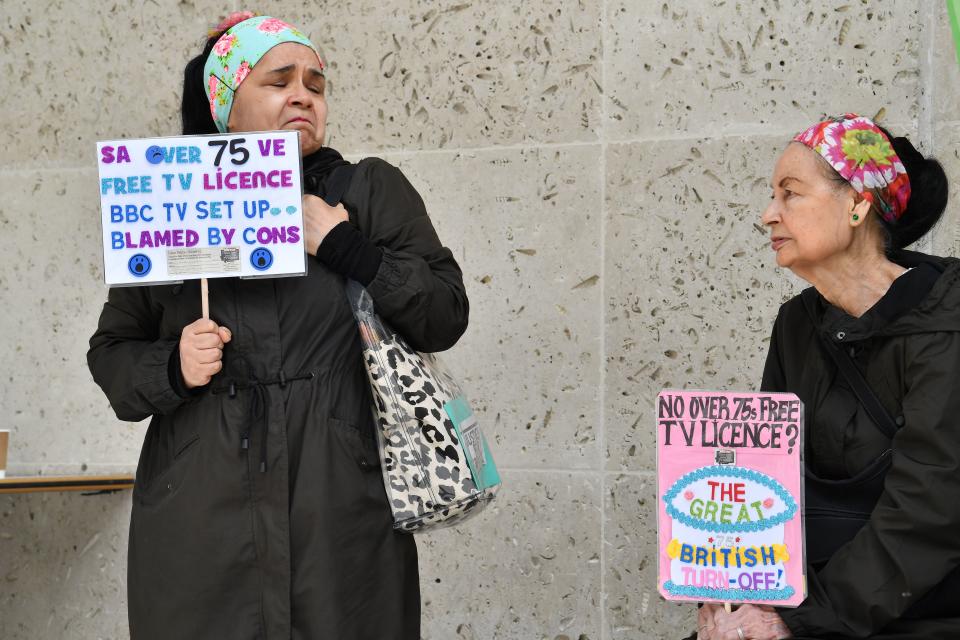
x=318, y=219
x=714, y=622
x=201, y=351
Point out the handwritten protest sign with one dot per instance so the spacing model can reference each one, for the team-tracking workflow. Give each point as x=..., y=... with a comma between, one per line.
x=729, y=491
x=201, y=207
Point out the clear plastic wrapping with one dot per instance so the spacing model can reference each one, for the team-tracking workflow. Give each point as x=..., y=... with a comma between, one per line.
x=437, y=467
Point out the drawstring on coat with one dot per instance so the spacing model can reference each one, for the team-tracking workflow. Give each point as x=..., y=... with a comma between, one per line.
x=259, y=407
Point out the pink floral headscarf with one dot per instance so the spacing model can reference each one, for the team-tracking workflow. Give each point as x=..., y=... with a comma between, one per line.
x=860, y=152
x=241, y=46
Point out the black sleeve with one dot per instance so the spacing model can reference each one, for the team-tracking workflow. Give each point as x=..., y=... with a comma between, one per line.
x=347, y=251
x=129, y=360
x=418, y=287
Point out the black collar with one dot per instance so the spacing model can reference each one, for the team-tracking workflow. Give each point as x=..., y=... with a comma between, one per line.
x=318, y=165
x=906, y=292
x=904, y=295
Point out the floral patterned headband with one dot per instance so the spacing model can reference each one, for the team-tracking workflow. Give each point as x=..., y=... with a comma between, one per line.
x=864, y=156
x=240, y=47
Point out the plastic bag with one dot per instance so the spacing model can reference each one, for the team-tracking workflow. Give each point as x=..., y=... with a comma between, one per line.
x=437, y=467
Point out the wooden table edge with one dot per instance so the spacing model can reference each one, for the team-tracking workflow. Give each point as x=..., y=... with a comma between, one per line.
x=30, y=484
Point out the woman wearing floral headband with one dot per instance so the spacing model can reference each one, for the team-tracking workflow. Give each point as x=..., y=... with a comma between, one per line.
x=259, y=509
x=873, y=351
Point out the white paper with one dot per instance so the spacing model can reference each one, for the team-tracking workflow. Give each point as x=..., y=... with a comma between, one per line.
x=172, y=210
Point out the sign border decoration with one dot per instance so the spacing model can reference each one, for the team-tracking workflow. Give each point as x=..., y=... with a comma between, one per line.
x=737, y=473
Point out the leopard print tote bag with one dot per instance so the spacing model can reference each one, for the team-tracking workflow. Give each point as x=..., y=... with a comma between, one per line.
x=437, y=467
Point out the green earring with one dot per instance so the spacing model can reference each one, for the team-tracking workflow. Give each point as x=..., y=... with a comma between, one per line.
x=855, y=217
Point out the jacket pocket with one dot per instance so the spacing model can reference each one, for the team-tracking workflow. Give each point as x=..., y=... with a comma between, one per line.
x=360, y=446
x=166, y=450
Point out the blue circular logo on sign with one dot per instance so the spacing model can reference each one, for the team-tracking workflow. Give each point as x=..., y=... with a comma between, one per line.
x=139, y=265
x=154, y=155
x=261, y=259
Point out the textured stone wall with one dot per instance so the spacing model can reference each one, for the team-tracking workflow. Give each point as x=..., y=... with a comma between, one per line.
x=598, y=168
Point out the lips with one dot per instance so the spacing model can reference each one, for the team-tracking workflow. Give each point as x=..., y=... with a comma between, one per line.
x=295, y=120
x=777, y=242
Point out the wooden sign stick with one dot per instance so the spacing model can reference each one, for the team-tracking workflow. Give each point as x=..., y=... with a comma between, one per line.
x=205, y=298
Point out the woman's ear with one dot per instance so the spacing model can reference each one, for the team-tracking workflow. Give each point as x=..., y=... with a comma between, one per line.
x=859, y=212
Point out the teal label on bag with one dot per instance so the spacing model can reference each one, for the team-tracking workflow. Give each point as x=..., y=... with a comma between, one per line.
x=474, y=445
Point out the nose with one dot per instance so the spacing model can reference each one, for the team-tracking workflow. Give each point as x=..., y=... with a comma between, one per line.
x=300, y=96
x=771, y=215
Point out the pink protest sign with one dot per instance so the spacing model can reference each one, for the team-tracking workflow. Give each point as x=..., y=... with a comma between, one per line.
x=729, y=478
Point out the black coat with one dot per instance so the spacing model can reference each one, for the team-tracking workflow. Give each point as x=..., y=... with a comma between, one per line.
x=305, y=549
x=908, y=347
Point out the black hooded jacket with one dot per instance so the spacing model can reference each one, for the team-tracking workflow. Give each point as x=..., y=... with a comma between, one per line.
x=908, y=348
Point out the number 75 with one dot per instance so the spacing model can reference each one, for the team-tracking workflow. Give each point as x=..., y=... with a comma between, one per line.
x=236, y=149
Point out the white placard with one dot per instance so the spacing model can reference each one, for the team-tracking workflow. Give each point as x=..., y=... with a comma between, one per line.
x=191, y=207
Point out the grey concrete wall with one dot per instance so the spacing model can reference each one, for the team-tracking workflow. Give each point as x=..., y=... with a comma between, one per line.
x=597, y=167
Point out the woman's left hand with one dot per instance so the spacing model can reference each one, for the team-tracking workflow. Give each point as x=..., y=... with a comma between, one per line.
x=318, y=219
x=756, y=623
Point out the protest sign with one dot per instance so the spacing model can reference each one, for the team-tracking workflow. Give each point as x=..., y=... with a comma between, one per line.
x=729, y=486
x=201, y=207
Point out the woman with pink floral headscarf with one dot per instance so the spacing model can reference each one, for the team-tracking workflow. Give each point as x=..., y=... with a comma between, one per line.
x=873, y=351
x=259, y=509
